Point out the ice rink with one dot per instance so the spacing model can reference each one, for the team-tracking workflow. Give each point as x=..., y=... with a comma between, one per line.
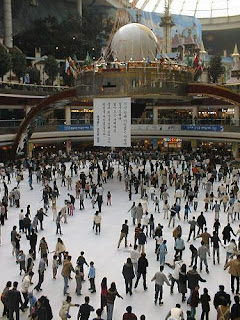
x=78, y=235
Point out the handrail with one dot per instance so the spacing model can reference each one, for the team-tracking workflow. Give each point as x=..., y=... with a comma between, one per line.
x=30, y=87
x=163, y=120
x=45, y=122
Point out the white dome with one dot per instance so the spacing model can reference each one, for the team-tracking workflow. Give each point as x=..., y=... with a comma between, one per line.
x=135, y=42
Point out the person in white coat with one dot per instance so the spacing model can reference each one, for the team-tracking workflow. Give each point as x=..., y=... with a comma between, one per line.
x=139, y=213
x=237, y=210
x=59, y=250
x=230, y=211
x=152, y=192
x=25, y=286
x=145, y=223
x=144, y=202
x=178, y=196
x=97, y=222
x=134, y=255
x=64, y=311
x=175, y=313
x=166, y=208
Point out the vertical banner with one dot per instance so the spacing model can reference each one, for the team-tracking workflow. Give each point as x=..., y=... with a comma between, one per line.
x=112, y=122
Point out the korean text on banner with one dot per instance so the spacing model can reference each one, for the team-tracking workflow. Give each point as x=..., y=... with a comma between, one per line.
x=112, y=122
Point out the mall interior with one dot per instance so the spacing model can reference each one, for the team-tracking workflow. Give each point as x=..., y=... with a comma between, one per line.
x=177, y=62
x=175, y=103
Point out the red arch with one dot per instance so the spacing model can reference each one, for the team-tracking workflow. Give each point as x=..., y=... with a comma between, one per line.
x=214, y=91
x=42, y=106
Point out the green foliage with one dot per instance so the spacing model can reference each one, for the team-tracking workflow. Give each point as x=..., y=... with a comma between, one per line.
x=51, y=68
x=41, y=34
x=34, y=75
x=19, y=63
x=74, y=35
x=5, y=62
x=216, y=69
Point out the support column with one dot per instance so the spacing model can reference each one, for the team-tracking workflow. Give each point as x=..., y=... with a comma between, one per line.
x=79, y=7
x=194, y=145
x=68, y=146
x=236, y=115
x=67, y=115
x=7, y=13
x=68, y=122
x=29, y=150
x=155, y=115
x=30, y=144
x=235, y=150
x=194, y=114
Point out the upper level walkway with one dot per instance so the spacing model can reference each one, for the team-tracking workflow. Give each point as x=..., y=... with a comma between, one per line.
x=53, y=130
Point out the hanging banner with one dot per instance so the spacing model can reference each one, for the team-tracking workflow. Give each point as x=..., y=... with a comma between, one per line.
x=112, y=122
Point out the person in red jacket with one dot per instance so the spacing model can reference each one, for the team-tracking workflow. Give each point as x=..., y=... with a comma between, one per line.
x=129, y=315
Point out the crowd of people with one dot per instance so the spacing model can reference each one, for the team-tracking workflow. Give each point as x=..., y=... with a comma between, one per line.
x=170, y=203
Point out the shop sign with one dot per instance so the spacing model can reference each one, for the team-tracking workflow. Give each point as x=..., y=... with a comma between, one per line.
x=75, y=127
x=193, y=127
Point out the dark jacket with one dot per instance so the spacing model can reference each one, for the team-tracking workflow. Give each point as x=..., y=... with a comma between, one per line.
x=235, y=312
x=221, y=298
x=204, y=299
x=124, y=228
x=215, y=241
x=173, y=212
x=194, y=299
x=129, y=316
x=42, y=313
x=142, y=238
x=80, y=262
x=193, y=250
x=127, y=271
x=48, y=309
x=14, y=299
x=182, y=282
x=111, y=296
x=158, y=231
x=227, y=232
x=84, y=311
x=201, y=221
x=26, y=222
x=32, y=239
x=142, y=265
x=193, y=278
x=40, y=215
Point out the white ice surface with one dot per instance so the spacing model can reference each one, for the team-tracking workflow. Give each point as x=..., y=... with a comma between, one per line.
x=102, y=249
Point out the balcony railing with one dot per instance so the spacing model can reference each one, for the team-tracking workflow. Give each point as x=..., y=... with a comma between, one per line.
x=6, y=87
x=206, y=121
x=44, y=125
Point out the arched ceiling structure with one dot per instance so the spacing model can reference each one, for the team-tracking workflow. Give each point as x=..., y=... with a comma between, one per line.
x=197, y=8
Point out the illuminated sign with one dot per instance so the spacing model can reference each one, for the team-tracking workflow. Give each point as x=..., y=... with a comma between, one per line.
x=82, y=110
x=172, y=140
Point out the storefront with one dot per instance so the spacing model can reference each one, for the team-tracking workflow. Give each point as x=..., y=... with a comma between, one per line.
x=171, y=143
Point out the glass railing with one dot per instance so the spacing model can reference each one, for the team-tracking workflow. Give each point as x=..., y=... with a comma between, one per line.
x=187, y=121
x=6, y=86
x=11, y=126
x=46, y=122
